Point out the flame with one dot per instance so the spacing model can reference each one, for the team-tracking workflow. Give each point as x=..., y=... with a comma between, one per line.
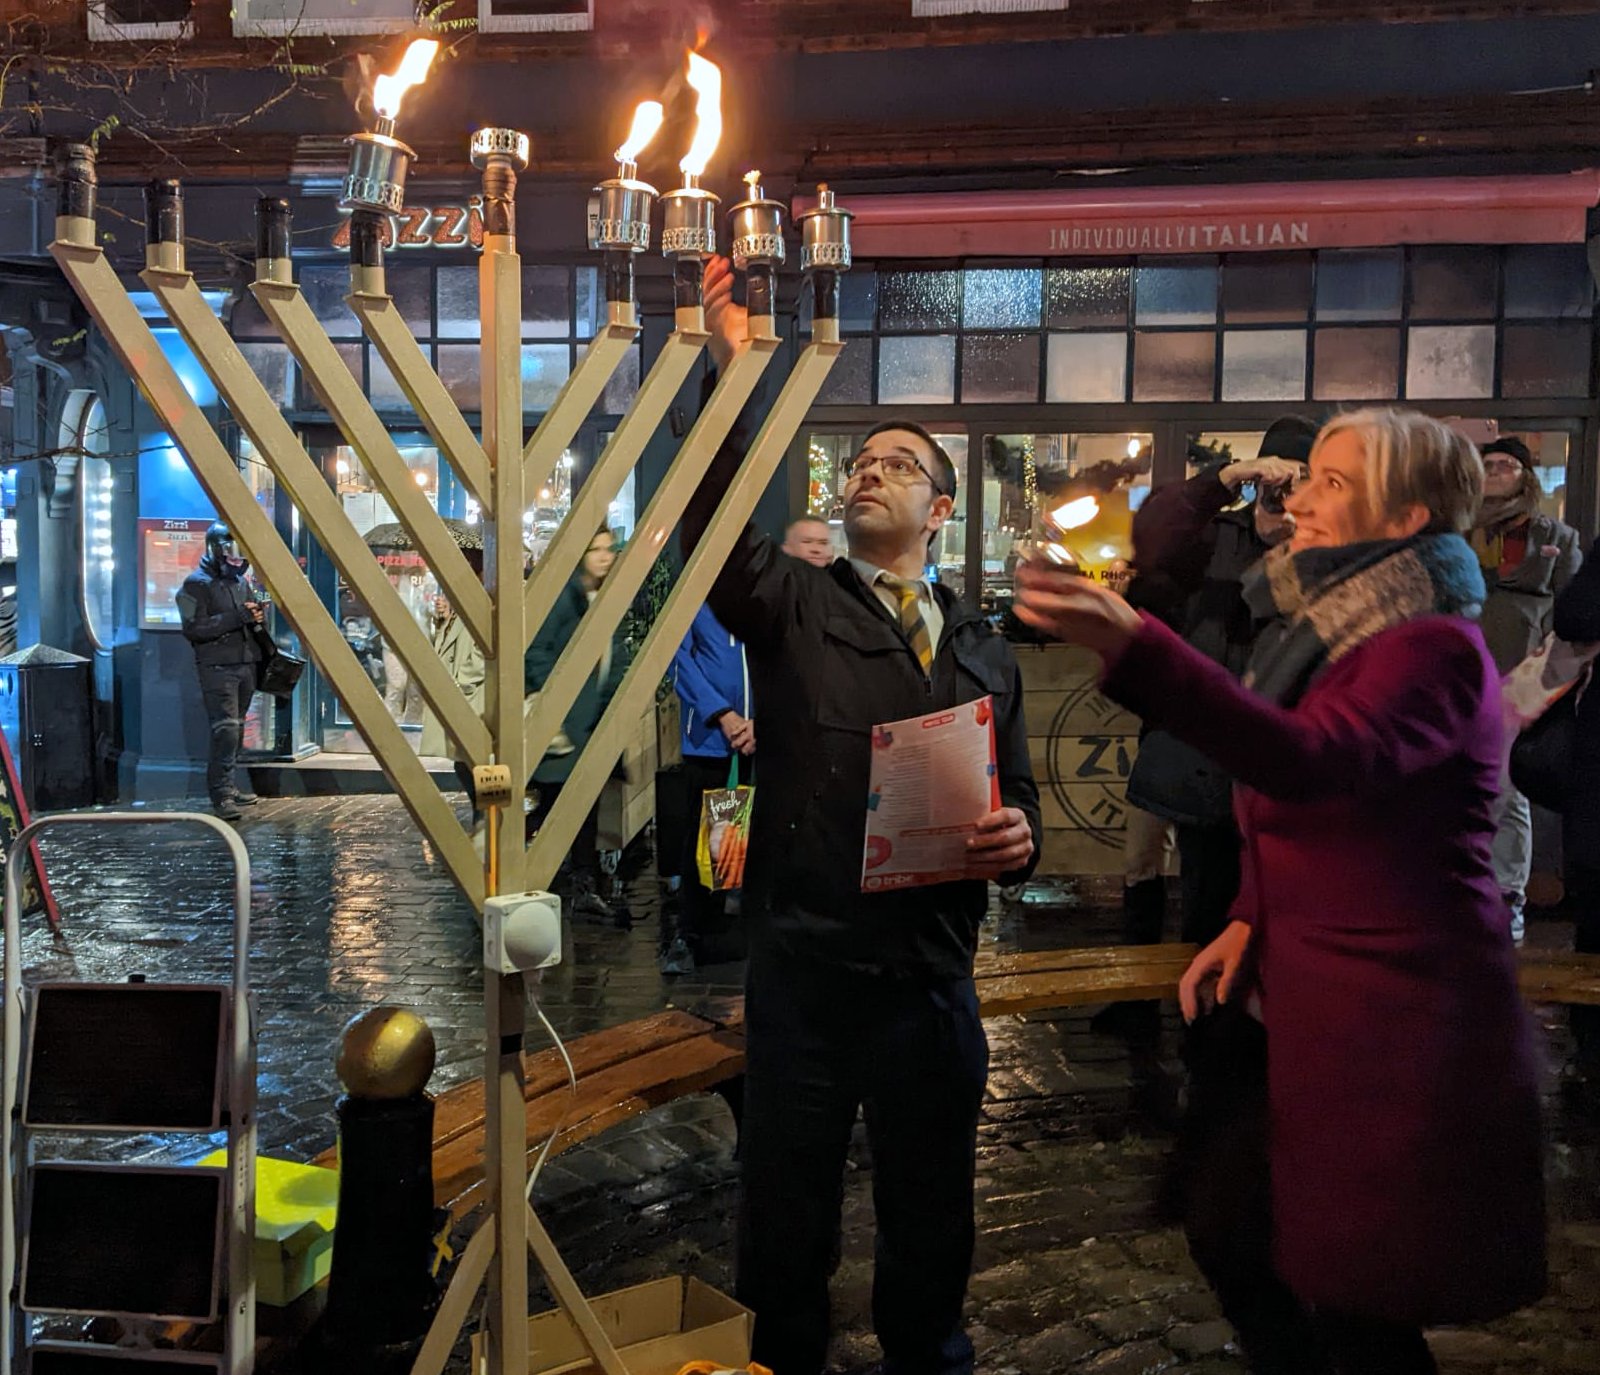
x=706, y=78
x=389, y=91
x=646, y=123
x=1075, y=513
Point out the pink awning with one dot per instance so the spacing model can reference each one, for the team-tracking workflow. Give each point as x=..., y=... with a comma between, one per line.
x=1261, y=218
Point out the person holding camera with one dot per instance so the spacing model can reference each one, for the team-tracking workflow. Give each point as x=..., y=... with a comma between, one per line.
x=219, y=611
x=1194, y=542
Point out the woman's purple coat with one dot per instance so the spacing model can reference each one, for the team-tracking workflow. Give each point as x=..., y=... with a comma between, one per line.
x=1405, y=1134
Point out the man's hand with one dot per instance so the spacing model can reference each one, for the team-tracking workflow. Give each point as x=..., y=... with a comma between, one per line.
x=1264, y=472
x=738, y=731
x=1002, y=845
x=728, y=323
x=257, y=612
x=1211, y=976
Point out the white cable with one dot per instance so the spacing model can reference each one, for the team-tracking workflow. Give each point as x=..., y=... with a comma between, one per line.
x=572, y=1081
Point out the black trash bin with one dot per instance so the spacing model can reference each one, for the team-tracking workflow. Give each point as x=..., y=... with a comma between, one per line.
x=46, y=711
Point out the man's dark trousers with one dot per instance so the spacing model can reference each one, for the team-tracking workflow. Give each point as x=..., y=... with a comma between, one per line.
x=226, y=690
x=823, y=1040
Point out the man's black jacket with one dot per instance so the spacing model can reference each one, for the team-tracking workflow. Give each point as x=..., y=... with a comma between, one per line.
x=211, y=602
x=827, y=663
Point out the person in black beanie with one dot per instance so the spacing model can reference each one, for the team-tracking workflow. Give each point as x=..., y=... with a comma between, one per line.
x=219, y=610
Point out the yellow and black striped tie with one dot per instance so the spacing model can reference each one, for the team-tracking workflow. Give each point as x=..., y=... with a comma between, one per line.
x=908, y=594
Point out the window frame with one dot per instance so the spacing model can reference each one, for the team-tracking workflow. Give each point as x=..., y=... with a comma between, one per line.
x=105, y=30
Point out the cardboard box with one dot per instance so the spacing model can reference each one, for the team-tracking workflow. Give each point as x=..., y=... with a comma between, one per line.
x=295, y=1210
x=657, y=1328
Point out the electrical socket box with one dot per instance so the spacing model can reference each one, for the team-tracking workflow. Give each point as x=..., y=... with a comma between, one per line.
x=521, y=932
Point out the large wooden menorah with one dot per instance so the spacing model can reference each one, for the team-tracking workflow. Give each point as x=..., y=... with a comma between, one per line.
x=504, y=611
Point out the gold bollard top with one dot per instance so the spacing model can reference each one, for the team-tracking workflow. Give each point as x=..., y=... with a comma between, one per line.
x=385, y=1052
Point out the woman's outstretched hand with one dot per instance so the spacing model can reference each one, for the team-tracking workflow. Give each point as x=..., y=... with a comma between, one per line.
x=1211, y=977
x=1068, y=606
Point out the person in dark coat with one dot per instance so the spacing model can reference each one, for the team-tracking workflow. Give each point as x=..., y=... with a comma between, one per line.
x=1189, y=543
x=859, y=1000
x=219, y=610
x=1576, y=619
x=1527, y=558
x=556, y=766
x=1401, y=1136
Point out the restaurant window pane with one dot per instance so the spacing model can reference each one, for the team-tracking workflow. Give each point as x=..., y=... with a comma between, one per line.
x=1087, y=367
x=270, y=362
x=1362, y=284
x=1450, y=361
x=1546, y=360
x=545, y=369
x=1179, y=292
x=1453, y=283
x=1002, y=298
x=850, y=380
x=919, y=300
x=1266, y=289
x=459, y=371
x=1173, y=367
x=587, y=311
x=1264, y=365
x=1000, y=367
x=324, y=289
x=412, y=289
x=1079, y=297
x=1357, y=365
x=1548, y=282
x=382, y=390
x=458, y=302
x=858, y=301
x=921, y=370
x=249, y=321
x=623, y=388
x=546, y=303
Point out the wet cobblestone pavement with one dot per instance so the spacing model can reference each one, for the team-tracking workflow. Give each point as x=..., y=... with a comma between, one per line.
x=1075, y=1270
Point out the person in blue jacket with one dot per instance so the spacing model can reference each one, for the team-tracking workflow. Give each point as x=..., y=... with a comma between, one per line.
x=713, y=683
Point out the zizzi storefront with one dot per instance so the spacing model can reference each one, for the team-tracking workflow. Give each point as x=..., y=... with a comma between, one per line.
x=1069, y=342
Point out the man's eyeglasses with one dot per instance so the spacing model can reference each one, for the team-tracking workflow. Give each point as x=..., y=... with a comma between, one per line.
x=1495, y=464
x=899, y=467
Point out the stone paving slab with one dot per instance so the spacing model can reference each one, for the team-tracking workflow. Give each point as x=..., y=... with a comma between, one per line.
x=1076, y=1271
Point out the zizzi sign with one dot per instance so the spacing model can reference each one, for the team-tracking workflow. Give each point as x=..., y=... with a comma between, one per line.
x=432, y=226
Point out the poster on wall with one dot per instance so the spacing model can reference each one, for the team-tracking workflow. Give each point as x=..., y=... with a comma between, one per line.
x=169, y=550
x=36, y=894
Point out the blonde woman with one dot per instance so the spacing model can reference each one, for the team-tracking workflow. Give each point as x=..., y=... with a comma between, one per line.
x=1399, y=1124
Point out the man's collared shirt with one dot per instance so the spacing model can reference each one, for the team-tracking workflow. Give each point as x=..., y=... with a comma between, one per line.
x=927, y=603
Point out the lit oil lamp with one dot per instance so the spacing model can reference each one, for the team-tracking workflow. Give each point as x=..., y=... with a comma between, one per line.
x=619, y=215
x=689, y=229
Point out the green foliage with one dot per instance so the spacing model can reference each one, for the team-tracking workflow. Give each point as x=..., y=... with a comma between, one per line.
x=108, y=126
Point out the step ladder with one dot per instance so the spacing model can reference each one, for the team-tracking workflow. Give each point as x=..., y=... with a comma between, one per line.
x=154, y=1242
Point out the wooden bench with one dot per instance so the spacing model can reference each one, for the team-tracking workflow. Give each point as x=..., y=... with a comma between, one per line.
x=627, y=1070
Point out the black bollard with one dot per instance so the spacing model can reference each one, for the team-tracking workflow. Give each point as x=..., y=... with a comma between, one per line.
x=381, y=1289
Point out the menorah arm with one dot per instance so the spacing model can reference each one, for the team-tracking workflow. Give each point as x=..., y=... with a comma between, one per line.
x=427, y=394
x=261, y=419
x=589, y=506
x=638, y=686
x=96, y=284
x=577, y=397
x=341, y=394
x=627, y=575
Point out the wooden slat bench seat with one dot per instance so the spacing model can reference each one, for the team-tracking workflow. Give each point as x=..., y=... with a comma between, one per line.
x=627, y=1070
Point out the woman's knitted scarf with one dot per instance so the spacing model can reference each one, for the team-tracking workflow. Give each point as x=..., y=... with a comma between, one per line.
x=1328, y=601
